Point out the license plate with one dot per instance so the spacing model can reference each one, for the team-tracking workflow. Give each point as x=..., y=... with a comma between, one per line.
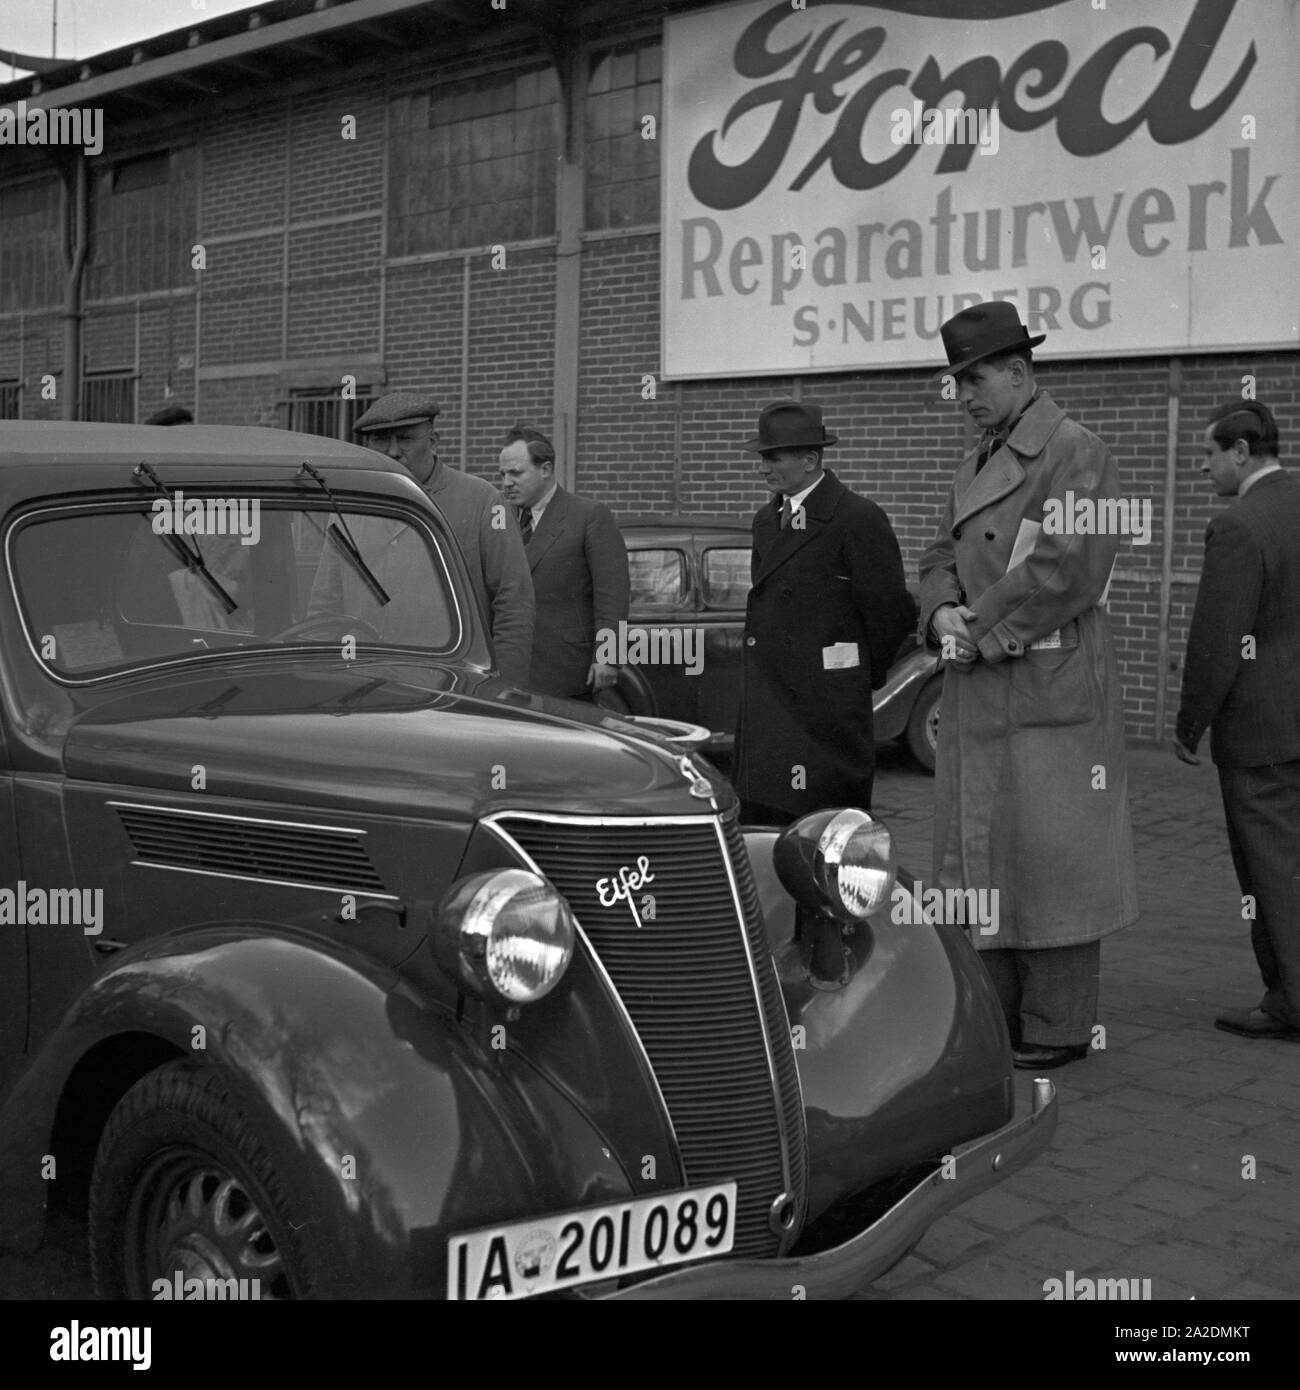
x=596, y=1243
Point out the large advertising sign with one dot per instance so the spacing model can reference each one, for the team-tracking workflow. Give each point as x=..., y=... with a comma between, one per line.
x=839, y=178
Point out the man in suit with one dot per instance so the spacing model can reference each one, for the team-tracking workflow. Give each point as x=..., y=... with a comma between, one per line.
x=400, y=426
x=825, y=616
x=578, y=563
x=1030, y=797
x=1240, y=681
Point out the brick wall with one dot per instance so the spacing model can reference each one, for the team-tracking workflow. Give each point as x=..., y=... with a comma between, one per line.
x=293, y=217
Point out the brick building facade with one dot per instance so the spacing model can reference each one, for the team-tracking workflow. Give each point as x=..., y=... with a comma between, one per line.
x=328, y=199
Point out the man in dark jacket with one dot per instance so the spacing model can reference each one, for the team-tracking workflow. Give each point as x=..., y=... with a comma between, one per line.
x=827, y=611
x=1241, y=678
x=578, y=563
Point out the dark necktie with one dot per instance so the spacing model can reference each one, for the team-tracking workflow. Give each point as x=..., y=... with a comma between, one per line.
x=526, y=523
x=787, y=511
x=991, y=446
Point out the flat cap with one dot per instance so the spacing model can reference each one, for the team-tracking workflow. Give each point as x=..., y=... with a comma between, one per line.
x=396, y=409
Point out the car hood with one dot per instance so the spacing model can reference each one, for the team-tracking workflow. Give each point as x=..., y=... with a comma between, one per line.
x=390, y=737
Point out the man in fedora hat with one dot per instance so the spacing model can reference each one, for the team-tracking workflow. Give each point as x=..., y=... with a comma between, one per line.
x=825, y=616
x=400, y=426
x=1031, y=795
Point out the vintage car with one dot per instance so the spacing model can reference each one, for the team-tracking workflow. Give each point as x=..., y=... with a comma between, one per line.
x=337, y=967
x=690, y=579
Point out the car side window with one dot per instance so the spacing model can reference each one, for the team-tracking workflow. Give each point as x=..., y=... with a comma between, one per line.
x=726, y=576
x=658, y=577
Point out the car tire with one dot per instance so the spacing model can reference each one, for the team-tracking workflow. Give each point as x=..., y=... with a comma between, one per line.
x=922, y=732
x=181, y=1181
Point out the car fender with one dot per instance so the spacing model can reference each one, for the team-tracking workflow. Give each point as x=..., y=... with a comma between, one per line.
x=891, y=705
x=904, y=1058
x=393, y=1126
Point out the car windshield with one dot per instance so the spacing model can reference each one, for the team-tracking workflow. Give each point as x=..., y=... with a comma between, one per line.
x=109, y=589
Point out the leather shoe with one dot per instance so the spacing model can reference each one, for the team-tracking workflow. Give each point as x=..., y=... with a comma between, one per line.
x=1040, y=1057
x=1255, y=1023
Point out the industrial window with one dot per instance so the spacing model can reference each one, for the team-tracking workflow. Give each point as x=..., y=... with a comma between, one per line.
x=30, y=265
x=10, y=400
x=108, y=396
x=473, y=163
x=321, y=410
x=143, y=219
x=622, y=165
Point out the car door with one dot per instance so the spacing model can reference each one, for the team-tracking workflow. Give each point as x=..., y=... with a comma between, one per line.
x=13, y=938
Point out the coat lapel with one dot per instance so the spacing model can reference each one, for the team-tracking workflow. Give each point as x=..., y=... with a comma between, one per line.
x=1003, y=472
x=818, y=509
x=548, y=531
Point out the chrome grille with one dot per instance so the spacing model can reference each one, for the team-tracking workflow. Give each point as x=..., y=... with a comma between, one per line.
x=685, y=981
x=314, y=855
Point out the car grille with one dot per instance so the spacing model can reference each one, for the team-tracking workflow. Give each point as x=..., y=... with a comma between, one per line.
x=686, y=983
x=315, y=855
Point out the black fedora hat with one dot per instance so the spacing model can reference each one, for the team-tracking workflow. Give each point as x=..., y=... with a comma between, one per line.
x=983, y=330
x=790, y=425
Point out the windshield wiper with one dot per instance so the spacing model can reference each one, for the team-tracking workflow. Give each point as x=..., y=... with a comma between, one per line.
x=343, y=540
x=192, y=559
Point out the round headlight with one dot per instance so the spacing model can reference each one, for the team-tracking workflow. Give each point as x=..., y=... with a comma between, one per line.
x=838, y=861
x=505, y=935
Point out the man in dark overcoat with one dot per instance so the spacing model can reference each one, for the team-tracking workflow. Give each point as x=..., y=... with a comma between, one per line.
x=827, y=611
x=1241, y=682
x=1031, y=791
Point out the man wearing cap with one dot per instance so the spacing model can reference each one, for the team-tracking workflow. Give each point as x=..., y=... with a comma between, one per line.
x=1031, y=797
x=579, y=567
x=400, y=426
x=825, y=616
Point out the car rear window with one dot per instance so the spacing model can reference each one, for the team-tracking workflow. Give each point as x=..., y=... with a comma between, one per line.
x=658, y=578
x=726, y=576
x=112, y=589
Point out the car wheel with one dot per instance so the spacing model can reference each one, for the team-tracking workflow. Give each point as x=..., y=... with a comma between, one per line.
x=181, y=1183
x=922, y=736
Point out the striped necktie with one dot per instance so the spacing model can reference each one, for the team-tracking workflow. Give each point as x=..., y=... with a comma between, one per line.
x=526, y=523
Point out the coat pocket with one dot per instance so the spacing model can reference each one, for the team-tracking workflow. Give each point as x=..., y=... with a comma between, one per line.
x=1051, y=687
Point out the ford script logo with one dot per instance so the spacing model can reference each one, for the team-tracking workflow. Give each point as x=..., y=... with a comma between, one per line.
x=622, y=885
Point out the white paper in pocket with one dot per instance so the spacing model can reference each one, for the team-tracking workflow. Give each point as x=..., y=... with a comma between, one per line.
x=840, y=657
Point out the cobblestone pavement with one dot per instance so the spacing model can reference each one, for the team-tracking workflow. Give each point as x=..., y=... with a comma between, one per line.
x=1146, y=1177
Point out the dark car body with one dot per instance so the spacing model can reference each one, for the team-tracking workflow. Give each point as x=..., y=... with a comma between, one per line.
x=259, y=1061
x=693, y=573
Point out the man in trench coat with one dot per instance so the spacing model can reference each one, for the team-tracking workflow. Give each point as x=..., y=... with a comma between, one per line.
x=825, y=616
x=1031, y=797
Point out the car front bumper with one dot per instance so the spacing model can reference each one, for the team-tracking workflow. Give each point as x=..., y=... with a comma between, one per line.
x=846, y=1269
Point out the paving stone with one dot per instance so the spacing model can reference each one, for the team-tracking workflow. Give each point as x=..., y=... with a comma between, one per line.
x=1166, y=1194
x=1206, y=1272
x=1058, y=1248
x=1000, y=1210
x=989, y=1279
x=950, y=1239
x=1119, y=1221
